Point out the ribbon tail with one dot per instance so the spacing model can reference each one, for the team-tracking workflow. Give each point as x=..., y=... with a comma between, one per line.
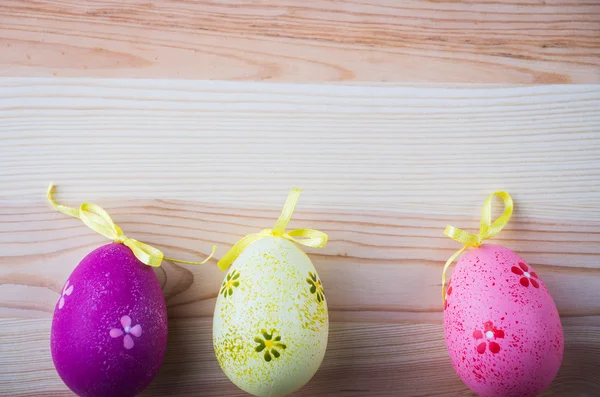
x=446, y=266
x=287, y=211
x=463, y=237
x=194, y=263
x=63, y=209
x=147, y=254
x=489, y=229
x=308, y=237
x=237, y=249
x=97, y=219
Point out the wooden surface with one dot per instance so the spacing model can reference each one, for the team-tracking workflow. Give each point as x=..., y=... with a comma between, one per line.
x=183, y=165
x=520, y=41
x=112, y=101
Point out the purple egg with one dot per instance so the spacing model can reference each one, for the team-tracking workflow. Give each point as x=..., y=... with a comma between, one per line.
x=109, y=331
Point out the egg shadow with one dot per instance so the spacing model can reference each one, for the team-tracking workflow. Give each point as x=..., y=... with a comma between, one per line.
x=190, y=367
x=384, y=360
x=189, y=342
x=578, y=374
x=344, y=372
x=380, y=347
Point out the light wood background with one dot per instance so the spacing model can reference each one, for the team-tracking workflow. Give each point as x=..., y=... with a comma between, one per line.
x=183, y=165
x=502, y=41
x=113, y=102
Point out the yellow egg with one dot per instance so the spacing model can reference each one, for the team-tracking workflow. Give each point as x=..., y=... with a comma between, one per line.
x=271, y=323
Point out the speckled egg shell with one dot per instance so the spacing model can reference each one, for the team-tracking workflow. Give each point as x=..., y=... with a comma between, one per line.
x=501, y=325
x=109, y=331
x=271, y=323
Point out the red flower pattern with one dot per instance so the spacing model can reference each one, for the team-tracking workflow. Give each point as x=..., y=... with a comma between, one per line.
x=527, y=275
x=448, y=292
x=490, y=334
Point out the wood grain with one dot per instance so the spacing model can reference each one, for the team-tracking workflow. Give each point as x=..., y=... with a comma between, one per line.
x=183, y=165
x=521, y=41
x=434, y=148
x=367, y=360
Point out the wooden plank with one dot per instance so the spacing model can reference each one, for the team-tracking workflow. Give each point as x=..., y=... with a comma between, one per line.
x=362, y=360
x=440, y=150
x=369, y=256
x=523, y=41
x=183, y=165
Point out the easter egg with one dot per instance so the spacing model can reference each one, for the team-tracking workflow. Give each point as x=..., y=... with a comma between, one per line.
x=109, y=331
x=501, y=325
x=271, y=324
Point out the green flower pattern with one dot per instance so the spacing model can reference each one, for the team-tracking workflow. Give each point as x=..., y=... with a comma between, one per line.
x=270, y=344
x=232, y=281
x=316, y=287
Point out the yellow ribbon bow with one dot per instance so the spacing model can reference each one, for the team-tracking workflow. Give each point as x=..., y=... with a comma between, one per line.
x=99, y=221
x=307, y=237
x=487, y=229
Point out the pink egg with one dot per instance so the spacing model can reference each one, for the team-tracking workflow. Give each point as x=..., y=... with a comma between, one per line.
x=109, y=331
x=501, y=325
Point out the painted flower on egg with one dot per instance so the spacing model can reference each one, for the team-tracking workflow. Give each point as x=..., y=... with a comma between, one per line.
x=270, y=343
x=316, y=287
x=528, y=276
x=128, y=330
x=231, y=282
x=67, y=290
x=490, y=334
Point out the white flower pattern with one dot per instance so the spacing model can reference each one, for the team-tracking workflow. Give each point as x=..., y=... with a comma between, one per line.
x=136, y=331
x=67, y=290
